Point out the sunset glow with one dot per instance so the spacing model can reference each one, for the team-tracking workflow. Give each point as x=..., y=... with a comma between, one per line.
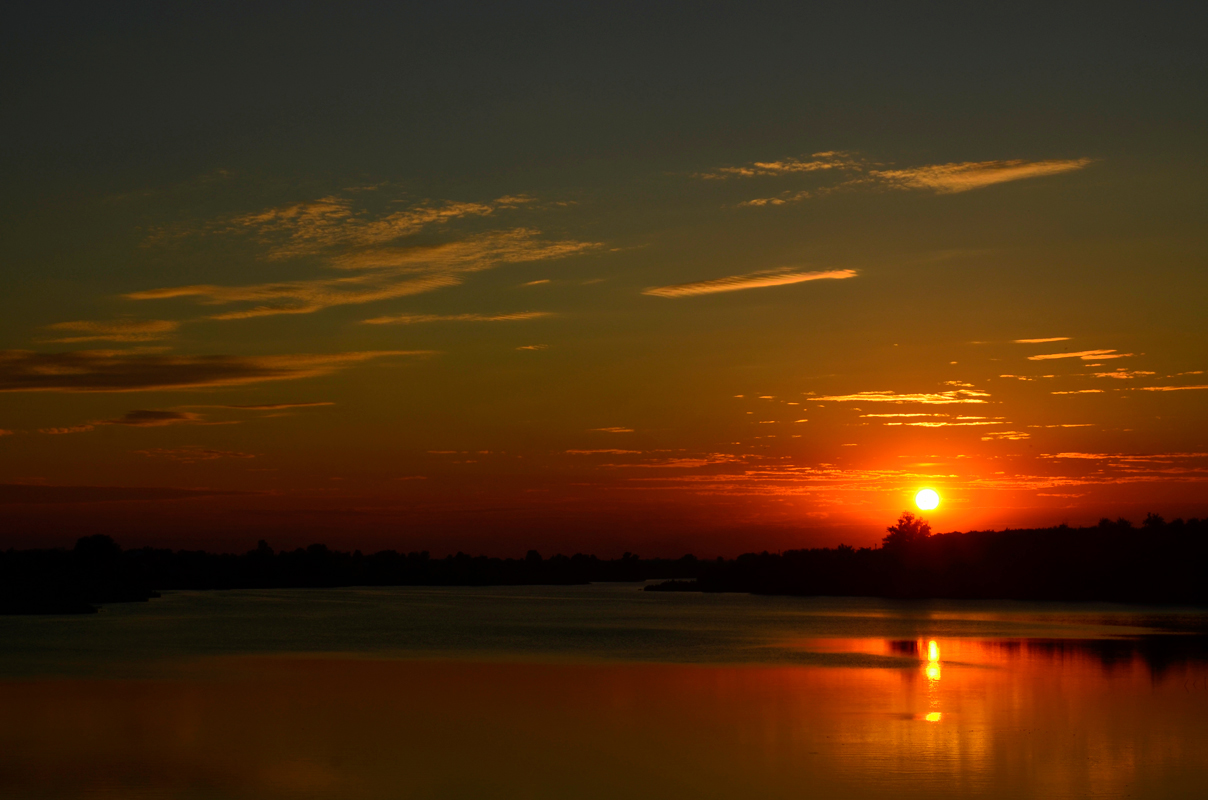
x=684, y=305
x=590, y=400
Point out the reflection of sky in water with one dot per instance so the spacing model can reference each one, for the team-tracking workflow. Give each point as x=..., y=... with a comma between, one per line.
x=599, y=692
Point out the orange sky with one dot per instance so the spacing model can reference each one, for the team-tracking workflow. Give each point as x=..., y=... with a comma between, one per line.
x=550, y=298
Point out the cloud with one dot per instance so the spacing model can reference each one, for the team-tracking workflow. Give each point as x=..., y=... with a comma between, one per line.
x=609, y=451
x=753, y=280
x=4, y=432
x=192, y=454
x=786, y=166
x=948, y=178
x=376, y=274
x=330, y=222
x=614, y=430
x=122, y=330
x=272, y=406
x=1126, y=456
x=70, y=429
x=1081, y=391
x=118, y=371
x=152, y=418
x=942, y=424
x=19, y=493
x=1167, y=388
x=412, y=319
x=1007, y=435
x=967, y=175
x=1122, y=373
x=779, y=200
x=1085, y=355
x=936, y=398
x=1041, y=341
x=533, y=347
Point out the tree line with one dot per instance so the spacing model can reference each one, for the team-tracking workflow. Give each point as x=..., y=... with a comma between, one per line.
x=97, y=571
x=1158, y=562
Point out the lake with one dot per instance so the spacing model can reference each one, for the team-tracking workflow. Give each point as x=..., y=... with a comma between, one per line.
x=601, y=691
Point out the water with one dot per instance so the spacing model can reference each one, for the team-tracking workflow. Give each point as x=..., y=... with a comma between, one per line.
x=600, y=692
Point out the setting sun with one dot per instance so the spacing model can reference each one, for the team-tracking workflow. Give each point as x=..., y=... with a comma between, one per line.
x=927, y=499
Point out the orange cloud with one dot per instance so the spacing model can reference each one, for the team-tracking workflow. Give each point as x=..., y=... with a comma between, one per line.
x=753, y=280
x=937, y=398
x=968, y=175
x=786, y=166
x=1008, y=435
x=1041, y=341
x=118, y=371
x=1168, y=388
x=310, y=227
x=412, y=319
x=610, y=451
x=1122, y=373
x=1085, y=355
x=377, y=274
x=122, y=330
x=69, y=429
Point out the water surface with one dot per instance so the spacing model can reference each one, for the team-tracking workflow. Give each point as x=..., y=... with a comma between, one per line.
x=600, y=691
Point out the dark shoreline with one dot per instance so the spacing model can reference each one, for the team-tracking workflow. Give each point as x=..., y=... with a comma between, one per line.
x=1158, y=563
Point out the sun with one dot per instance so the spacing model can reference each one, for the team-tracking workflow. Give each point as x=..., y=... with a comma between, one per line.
x=927, y=499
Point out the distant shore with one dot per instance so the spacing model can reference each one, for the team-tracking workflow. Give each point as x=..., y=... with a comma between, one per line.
x=1159, y=562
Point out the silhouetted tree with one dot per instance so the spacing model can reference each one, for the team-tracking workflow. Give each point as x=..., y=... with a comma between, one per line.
x=907, y=531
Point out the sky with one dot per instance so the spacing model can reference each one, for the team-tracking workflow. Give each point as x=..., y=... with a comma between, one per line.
x=659, y=278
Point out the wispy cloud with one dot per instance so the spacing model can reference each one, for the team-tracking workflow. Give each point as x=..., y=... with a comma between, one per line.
x=377, y=274
x=271, y=406
x=919, y=414
x=786, y=166
x=533, y=347
x=116, y=371
x=1085, y=355
x=967, y=175
x=1005, y=435
x=68, y=429
x=1081, y=391
x=192, y=454
x=614, y=430
x=153, y=418
x=942, y=424
x=1168, y=388
x=950, y=178
x=929, y=398
x=1122, y=373
x=412, y=319
x=752, y=280
x=1041, y=341
x=781, y=199
x=609, y=451
x=1127, y=456
x=334, y=222
x=121, y=330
